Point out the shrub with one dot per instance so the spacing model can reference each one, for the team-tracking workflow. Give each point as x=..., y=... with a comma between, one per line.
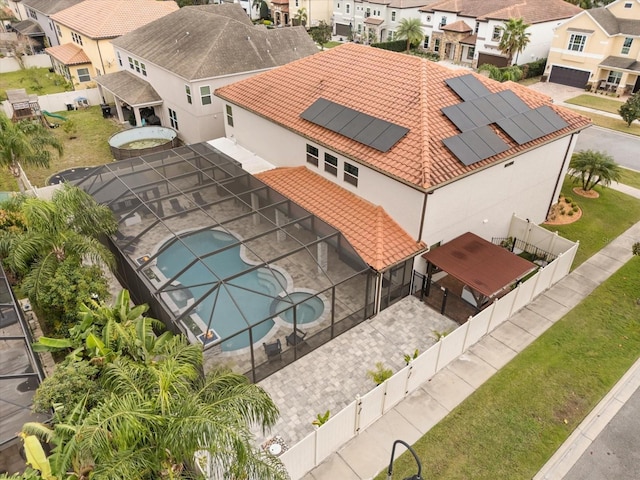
x=570, y=213
x=380, y=374
x=568, y=200
x=635, y=249
x=394, y=45
x=575, y=208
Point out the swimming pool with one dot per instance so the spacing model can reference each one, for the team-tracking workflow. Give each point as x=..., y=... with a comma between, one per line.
x=308, y=310
x=234, y=304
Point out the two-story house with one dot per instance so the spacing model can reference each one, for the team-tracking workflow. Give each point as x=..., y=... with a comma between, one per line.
x=373, y=20
x=469, y=31
x=599, y=48
x=175, y=63
x=41, y=11
x=441, y=151
x=85, y=31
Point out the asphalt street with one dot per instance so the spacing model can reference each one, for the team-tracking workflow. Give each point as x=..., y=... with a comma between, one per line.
x=625, y=149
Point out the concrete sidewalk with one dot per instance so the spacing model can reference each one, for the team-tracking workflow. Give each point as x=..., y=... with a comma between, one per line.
x=369, y=453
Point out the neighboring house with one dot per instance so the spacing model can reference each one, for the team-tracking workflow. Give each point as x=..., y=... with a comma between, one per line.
x=175, y=63
x=599, y=49
x=401, y=146
x=30, y=32
x=41, y=11
x=373, y=21
x=17, y=8
x=317, y=10
x=85, y=31
x=469, y=31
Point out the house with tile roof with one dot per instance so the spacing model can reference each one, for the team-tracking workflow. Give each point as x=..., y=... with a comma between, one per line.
x=469, y=31
x=85, y=31
x=41, y=10
x=380, y=125
x=174, y=64
x=599, y=49
x=373, y=20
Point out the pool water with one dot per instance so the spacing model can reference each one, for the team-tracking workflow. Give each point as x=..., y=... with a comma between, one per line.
x=144, y=143
x=306, y=312
x=232, y=305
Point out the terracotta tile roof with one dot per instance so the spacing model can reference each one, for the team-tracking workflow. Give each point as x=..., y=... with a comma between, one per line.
x=68, y=54
x=532, y=11
x=111, y=18
x=408, y=3
x=374, y=21
x=459, y=26
x=377, y=238
x=402, y=89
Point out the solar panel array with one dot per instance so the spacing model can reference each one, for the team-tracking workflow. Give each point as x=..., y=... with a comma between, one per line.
x=480, y=108
x=358, y=126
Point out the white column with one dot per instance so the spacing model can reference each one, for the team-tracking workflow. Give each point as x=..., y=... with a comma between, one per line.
x=255, y=204
x=136, y=112
x=323, y=257
x=281, y=219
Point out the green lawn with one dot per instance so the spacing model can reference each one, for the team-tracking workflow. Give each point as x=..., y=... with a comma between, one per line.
x=332, y=44
x=612, y=123
x=513, y=423
x=630, y=177
x=602, y=220
x=606, y=104
x=529, y=81
x=89, y=148
x=34, y=80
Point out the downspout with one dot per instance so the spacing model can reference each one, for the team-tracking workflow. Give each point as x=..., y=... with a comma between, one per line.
x=378, y=293
x=424, y=214
x=100, y=54
x=559, y=179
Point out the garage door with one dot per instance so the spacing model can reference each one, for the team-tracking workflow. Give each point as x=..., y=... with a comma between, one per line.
x=496, y=60
x=342, y=29
x=568, y=76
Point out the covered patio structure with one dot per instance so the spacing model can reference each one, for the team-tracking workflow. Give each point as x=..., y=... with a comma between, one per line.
x=479, y=271
x=128, y=90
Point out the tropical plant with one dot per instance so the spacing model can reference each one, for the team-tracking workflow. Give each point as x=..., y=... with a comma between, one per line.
x=590, y=168
x=514, y=38
x=321, y=419
x=300, y=18
x=411, y=30
x=630, y=110
x=27, y=143
x=321, y=34
x=408, y=357
x=512, y=73
x=635, y=248
x=380, y=374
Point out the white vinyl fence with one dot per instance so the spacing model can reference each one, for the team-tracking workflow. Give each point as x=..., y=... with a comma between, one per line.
x=10, y=64
x=342, y=427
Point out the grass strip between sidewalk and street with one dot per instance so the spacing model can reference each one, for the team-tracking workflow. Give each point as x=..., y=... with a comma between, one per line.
x=598, y=102
x=603, y=219
x=630, y=177
x=603, y=121
x=511, y=425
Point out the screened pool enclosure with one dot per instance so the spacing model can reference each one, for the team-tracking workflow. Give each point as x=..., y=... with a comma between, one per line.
x=228, y=261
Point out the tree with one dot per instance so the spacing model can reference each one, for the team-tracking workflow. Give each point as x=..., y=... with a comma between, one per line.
x=411, y=30
x=321, y=34
x=263, y=7
x=514, y=38
x=630, y=110
x=28, y=143
x=590, y=168
x=300, y=18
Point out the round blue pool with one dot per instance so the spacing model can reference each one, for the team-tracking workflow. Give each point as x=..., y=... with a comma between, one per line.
x=308, y=310
x=226, y=306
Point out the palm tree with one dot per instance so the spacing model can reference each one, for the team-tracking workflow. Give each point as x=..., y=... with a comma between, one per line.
x=591, y=168
x=25, y=143
x=514, y=38
x=65, y=228
x=300, y=18
x=411, y=29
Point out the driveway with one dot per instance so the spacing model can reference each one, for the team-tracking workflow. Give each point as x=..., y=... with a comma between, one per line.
x=622, y=147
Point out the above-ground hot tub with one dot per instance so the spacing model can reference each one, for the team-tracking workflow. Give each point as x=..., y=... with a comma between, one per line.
x=141, y=141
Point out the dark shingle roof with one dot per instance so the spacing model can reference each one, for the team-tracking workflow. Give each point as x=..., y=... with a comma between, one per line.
x=621, y=63
x=49, y=7
x=29, y=28
x=208, y=41
x=613, y=25
x=130, y=88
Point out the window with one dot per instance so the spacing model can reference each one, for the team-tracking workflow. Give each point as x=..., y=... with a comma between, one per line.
x=351, y=174
x=131, y=63
x=428, y=18
x=627, y=45
x=32, y=13
x=359, y=28
x=143, y=69
x=497, y=33
x=76, y=38
x=393, y=16
x=576, y=42
x=475, y=30
x=137, y=64
x=628, y=5
x=297, y=3
x=58, y=30
x=436, y=45
x=229, y=116
x=205, y=95
x=98, y=72
x=367, y=13
x=187, y=90
x=173, y=119
x=614, y=78
x=330, y=164
x=83, y=75
x=348, y=7
x=443, y=22
x=470, y=52
x=426, y=41
x=312, y=155
x=119, y=58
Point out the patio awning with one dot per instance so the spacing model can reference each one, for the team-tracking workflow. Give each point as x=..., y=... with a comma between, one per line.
x=129, y=88
x=479, y=264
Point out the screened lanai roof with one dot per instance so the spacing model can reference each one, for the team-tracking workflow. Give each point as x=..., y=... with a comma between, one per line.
x=219, y=248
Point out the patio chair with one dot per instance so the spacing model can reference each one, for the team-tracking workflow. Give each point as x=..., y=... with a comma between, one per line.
x=201, y=202
x=175, y=205
x=296, y=338
x=121, y=238
x=273, y=350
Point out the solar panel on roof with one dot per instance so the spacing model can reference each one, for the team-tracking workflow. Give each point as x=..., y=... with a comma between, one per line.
x=514, y=131
x=542, y=123
x=552, y=117
x=475, y=145
x=475, y=85
x=474, y=114
x=467, y=87
x=493, y=140
x=474, y=141
x=527, y=125
x=461, y=150
x=458, y=117
x=514, y=101
x=358, y=126
x=485, y=106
